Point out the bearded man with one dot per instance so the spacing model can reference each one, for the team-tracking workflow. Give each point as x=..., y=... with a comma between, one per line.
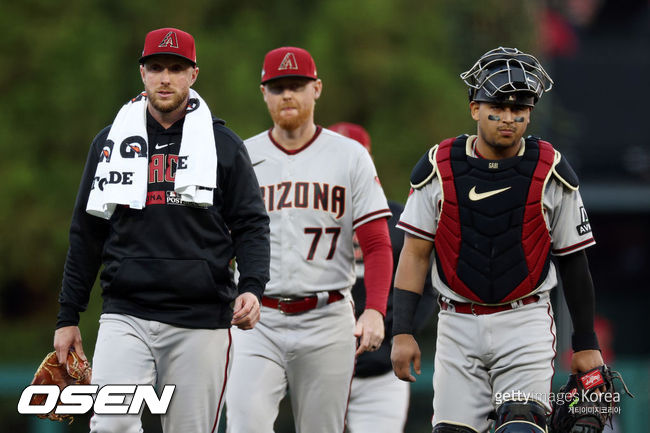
x=167, y=199
x=318, y=188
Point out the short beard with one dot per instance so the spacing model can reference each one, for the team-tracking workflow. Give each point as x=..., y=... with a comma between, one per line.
x=169, y=105
x=292, y=123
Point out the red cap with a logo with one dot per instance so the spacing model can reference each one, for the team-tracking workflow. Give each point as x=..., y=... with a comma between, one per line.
x=353, y=131
x=169, y=41
x=288, y=62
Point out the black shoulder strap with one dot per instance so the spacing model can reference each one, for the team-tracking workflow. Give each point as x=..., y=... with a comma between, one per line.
x=564, y=173
x=562, y=170
x=424, y=170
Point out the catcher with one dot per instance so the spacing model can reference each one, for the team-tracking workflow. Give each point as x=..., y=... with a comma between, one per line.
x=493, y=208
x=75, y=371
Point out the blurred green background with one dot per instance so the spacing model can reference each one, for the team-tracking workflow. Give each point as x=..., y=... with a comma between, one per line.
x=389, y=65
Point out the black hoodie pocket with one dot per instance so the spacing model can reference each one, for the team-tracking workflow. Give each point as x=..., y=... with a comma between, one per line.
x=164, y=281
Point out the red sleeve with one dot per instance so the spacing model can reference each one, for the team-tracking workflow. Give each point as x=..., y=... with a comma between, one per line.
x=374, y=241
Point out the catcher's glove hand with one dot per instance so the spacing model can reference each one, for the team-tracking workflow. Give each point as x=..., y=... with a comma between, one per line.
x=74, y=371
x=582, y=406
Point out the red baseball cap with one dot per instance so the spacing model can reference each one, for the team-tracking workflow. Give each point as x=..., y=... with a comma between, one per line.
x=353, y=131
x=169, y=41
x=288, y=62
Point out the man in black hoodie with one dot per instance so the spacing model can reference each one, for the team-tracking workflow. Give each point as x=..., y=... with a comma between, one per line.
x=168, y=198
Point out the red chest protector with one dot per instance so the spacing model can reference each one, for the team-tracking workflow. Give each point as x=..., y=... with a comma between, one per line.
x=492, y=244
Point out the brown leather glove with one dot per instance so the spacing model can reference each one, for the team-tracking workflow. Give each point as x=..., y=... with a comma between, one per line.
x=74, y=371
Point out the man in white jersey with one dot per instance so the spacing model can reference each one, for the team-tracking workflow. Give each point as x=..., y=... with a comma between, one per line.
x=319, y=188
x=494, y=207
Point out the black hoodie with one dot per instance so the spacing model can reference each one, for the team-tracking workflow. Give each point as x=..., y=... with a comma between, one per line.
x=170, y=261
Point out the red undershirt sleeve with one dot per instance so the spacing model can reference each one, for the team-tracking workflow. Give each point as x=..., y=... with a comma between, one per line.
x=374, y=241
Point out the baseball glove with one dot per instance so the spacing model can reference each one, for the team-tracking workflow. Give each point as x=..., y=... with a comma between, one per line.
x=579, y=408
x=74, y=371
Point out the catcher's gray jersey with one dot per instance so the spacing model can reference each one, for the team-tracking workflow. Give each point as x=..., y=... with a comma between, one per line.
x=564, y=213
x=466, y=343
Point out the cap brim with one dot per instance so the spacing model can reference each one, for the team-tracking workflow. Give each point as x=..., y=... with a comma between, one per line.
x=288, y=76
x=144, y=58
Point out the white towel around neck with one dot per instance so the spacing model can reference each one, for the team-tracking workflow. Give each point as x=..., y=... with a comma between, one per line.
x=122, y=173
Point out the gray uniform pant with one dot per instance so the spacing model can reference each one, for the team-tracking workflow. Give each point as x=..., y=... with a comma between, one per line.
x=311, y=353
x=378, y=404
x=482, y=360
x=130, y=350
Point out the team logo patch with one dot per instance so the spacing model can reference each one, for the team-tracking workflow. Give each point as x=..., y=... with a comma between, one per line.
x=139, y=97
x=107, y=151
x=289, y=62
x=584, y=226
x=173, y=198
x=170, y=40
x=592, y=379
x=134, y=147
x=192, y=104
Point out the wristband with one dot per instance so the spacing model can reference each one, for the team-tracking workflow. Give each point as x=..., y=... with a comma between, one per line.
x=584, y=341
x=405, y=303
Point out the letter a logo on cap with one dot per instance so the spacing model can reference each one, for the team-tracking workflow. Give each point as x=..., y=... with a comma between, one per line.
x=170, y=40
x=289, y=62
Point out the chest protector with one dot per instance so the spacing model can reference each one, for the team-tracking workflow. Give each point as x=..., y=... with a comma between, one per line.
x=492, y=244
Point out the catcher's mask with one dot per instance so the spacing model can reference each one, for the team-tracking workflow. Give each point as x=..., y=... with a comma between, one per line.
x=507, y=76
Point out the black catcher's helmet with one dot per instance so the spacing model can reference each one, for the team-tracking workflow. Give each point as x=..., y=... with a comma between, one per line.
x=507, y=76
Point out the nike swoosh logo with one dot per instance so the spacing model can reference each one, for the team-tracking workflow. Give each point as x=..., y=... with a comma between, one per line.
x=476, y=196
x=162, y=146
x=258, y=162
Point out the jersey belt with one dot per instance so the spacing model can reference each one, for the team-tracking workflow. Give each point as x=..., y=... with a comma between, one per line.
x=478, y=309
x=300, y=305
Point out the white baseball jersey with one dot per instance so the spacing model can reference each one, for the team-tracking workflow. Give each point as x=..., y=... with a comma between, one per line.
x=564, y=213
x=315, y=197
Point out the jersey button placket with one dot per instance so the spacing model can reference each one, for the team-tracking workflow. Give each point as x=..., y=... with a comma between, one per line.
x=286, y=228
x=295, y=232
